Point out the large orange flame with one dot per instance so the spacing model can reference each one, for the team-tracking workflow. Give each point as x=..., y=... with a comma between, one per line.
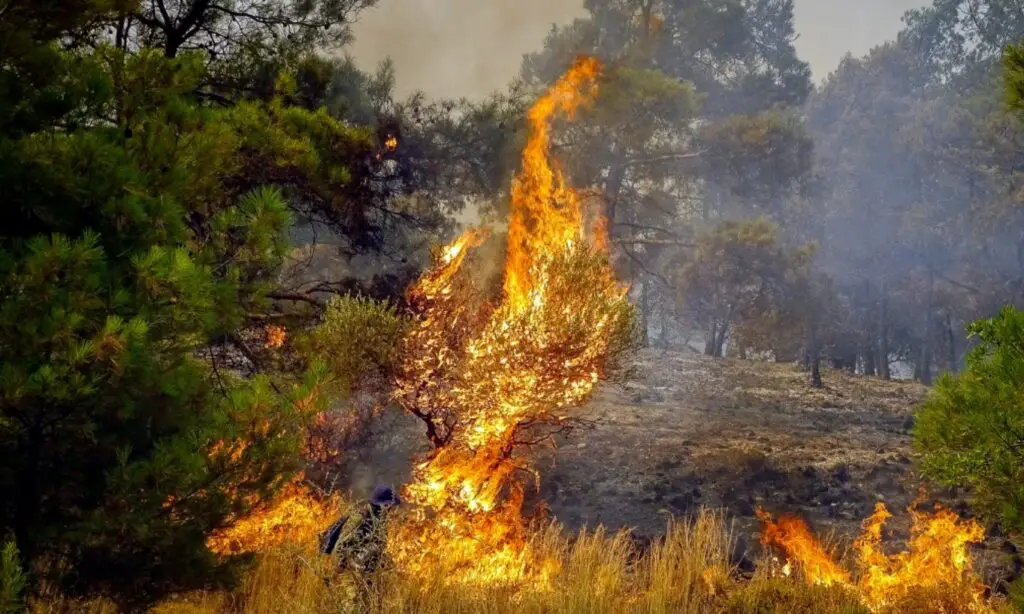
x=937, y=556
x=296, y=515
x=481, y=373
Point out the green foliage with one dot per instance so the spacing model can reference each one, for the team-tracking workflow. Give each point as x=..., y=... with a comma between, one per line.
x=971, y=430
x=12, y=580
x=735, y=159
x=356, y=338
x=141, y=228
x=1013, y=71
x=1016, y=594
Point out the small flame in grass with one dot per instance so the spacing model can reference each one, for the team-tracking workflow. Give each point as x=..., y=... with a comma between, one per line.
x=481, y=372
x=937, y=556
x=791, y=535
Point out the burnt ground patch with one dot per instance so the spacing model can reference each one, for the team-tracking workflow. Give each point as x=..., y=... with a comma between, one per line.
x=686, y=432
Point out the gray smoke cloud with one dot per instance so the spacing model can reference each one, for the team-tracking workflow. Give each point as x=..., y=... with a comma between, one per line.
x=455, y=48
x=470, y=48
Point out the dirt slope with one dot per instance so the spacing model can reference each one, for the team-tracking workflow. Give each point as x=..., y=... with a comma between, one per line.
x=687, y=431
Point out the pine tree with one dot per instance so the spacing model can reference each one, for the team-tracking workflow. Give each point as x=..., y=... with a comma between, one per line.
x=140, y=227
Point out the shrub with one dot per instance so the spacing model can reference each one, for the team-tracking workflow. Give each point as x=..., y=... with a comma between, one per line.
x=970, y=430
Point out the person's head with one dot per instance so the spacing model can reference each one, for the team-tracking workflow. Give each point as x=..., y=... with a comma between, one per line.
x=384, y=496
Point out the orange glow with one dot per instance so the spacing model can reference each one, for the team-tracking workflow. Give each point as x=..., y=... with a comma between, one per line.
x=483, y=370
x=937, y=556
x=391, y=143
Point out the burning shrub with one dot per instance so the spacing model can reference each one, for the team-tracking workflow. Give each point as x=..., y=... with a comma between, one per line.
x=485, y=376
x=296, y=515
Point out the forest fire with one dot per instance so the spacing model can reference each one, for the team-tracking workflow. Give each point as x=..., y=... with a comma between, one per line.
x=485, y=373
x=936, y=558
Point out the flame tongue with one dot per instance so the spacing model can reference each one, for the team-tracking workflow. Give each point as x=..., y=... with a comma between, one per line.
x=794, y=538
x=936, y=558
x=495, y=371
x=547, y=217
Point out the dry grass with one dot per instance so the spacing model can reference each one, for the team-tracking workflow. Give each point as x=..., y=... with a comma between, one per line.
x=688, y=571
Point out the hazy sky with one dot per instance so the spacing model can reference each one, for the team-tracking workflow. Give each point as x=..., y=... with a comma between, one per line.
x=471, y=47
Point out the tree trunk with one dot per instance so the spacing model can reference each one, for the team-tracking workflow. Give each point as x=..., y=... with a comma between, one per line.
x=612, y=188
x=926, y=341
x=720, y=342
x=883, y=339
x=663, y=333
x=709, y=342
x=26, y=507
x=870, y=355
x=644, y=316
x=814, y=358
x=951, y=340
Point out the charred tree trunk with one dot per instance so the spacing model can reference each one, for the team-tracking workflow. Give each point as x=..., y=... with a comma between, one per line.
x=951, y=341
x=720, y=341
x=663, y=333
x=870, y=355
x=612, y=189
x=814, y=357
x=723, y=332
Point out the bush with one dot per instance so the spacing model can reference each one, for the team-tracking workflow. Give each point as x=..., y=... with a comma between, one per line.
x=12, y=580
x=970, y=430
x=357, y=338
x=356, y=341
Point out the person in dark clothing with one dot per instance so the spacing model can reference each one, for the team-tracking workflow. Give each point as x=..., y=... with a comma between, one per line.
x=359, y=539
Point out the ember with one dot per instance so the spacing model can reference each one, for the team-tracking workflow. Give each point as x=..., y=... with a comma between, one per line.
x=495, y=369
x=274, y=337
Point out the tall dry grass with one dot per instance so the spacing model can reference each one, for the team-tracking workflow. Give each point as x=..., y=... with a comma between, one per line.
x=687, y=571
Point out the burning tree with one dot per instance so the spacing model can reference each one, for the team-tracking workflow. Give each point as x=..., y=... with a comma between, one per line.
x=488, y=376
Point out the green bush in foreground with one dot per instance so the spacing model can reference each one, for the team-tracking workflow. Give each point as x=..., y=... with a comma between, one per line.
x=970, y=430
x=12, y=580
